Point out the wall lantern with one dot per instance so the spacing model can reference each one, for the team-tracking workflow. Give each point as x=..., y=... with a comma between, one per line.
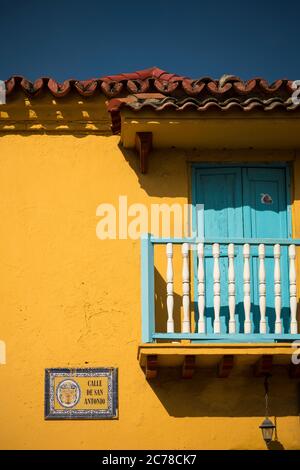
x=267, y=427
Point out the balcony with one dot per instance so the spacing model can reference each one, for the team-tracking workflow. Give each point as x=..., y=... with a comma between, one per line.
x=235, y=295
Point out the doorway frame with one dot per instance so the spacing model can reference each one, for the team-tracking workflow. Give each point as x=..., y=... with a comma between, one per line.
x=195, y=217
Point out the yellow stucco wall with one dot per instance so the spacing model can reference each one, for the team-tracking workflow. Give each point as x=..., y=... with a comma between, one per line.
x=71, y=300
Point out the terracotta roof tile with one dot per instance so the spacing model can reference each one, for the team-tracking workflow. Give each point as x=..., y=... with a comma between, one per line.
x=177, y=92
x=149, y=80
x=246, y=102
x=111, y=85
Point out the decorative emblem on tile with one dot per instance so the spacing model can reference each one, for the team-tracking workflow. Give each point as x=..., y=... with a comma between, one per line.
x=68, y=393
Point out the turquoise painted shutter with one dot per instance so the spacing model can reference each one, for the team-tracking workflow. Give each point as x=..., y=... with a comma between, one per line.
x=265, y=216
x=219, y=189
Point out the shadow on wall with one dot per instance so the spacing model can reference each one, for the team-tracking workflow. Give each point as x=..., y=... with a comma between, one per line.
x=240, y=395
x=168, y=168
x=162, y=178
x=275, y=444
x=160, y=305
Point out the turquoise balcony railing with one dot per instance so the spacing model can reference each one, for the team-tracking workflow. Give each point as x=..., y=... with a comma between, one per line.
x=239, y=290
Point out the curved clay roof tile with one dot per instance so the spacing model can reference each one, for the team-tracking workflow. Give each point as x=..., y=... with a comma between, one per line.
x=86, y=88
x=111, y=88
x=154, y=80
x=138, y=86
x=193, y=87
x=59, y=89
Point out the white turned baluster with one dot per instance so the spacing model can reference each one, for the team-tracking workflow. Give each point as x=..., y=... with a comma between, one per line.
x=262, y=289
x=277, y=288
x=201, y=288
x=247, y=300
x=170, y=295
x=185, y=289
x=293, y=290
x=231, y=288
x=217, y=300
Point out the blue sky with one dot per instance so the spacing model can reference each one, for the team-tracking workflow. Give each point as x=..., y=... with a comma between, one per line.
x=86, y=39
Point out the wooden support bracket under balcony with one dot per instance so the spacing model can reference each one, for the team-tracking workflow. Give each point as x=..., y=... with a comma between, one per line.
x=263, y=366
x=151, y=367
x=188, y=367
x=143, y=145
x=225, y=366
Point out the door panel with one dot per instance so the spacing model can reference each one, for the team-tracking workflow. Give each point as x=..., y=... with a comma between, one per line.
x=264, y=203
x=219, y=189
x=265, y=216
